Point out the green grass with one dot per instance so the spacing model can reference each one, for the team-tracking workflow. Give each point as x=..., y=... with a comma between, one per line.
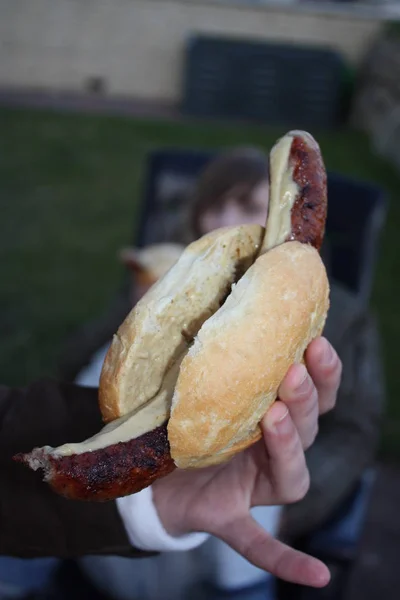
x=69, y=189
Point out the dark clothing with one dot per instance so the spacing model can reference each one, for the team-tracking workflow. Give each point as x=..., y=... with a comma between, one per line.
x=348, y=435
x=34, y=521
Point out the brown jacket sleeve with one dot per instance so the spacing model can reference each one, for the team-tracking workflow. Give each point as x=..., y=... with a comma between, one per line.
x=348, y=436
x=34, y=521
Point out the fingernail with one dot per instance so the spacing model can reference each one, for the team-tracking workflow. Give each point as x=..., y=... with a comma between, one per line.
x=283, y=417
x=327, y=355
x=303, y=380
x=282, y=425
x=279, y=425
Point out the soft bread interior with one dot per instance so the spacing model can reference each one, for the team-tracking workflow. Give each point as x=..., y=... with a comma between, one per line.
x=231, y=374
x=164, y=322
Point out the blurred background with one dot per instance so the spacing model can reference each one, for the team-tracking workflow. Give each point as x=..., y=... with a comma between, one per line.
x=108, y=109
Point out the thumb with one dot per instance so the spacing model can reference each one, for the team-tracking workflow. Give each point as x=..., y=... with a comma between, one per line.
x=248, y=538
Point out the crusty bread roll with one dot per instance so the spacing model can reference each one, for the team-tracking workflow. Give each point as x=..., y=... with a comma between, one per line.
x=232, y=372
x=162, y=325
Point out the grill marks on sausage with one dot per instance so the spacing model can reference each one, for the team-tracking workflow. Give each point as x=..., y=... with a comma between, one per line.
x=118, y=470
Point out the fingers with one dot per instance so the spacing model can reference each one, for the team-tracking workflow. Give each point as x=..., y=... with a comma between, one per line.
x=310, y=392
x=325, y=368
x=247, y=537
x=300, y=395
x=288, y=473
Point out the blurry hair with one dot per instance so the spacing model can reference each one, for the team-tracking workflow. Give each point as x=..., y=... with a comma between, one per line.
x=234, y=173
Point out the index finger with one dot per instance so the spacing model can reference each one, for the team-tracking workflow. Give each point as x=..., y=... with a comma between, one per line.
x=248, y=538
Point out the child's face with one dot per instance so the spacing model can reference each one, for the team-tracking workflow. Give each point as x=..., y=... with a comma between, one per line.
x=233, y=213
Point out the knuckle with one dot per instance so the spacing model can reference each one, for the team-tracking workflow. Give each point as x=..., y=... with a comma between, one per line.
x=334, y=371
x=252, y=545
x=305, y=389
x=295, y=487
x=330, y=402
x=291, y=445
x=309, y=404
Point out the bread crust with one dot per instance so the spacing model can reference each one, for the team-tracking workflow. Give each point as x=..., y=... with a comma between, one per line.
x=164, y=322
x=232, y=373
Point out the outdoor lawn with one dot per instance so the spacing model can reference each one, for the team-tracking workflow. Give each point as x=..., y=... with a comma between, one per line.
x=69, y=189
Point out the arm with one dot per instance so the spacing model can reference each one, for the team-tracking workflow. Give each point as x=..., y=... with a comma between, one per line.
x=348, y=436
x=33, y=520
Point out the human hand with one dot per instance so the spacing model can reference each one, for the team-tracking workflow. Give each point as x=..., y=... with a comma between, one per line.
x=273, y=471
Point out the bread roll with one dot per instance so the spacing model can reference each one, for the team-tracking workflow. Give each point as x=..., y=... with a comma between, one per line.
x=231, y=374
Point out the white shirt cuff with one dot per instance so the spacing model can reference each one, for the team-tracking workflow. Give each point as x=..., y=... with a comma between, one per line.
x=145, y=530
